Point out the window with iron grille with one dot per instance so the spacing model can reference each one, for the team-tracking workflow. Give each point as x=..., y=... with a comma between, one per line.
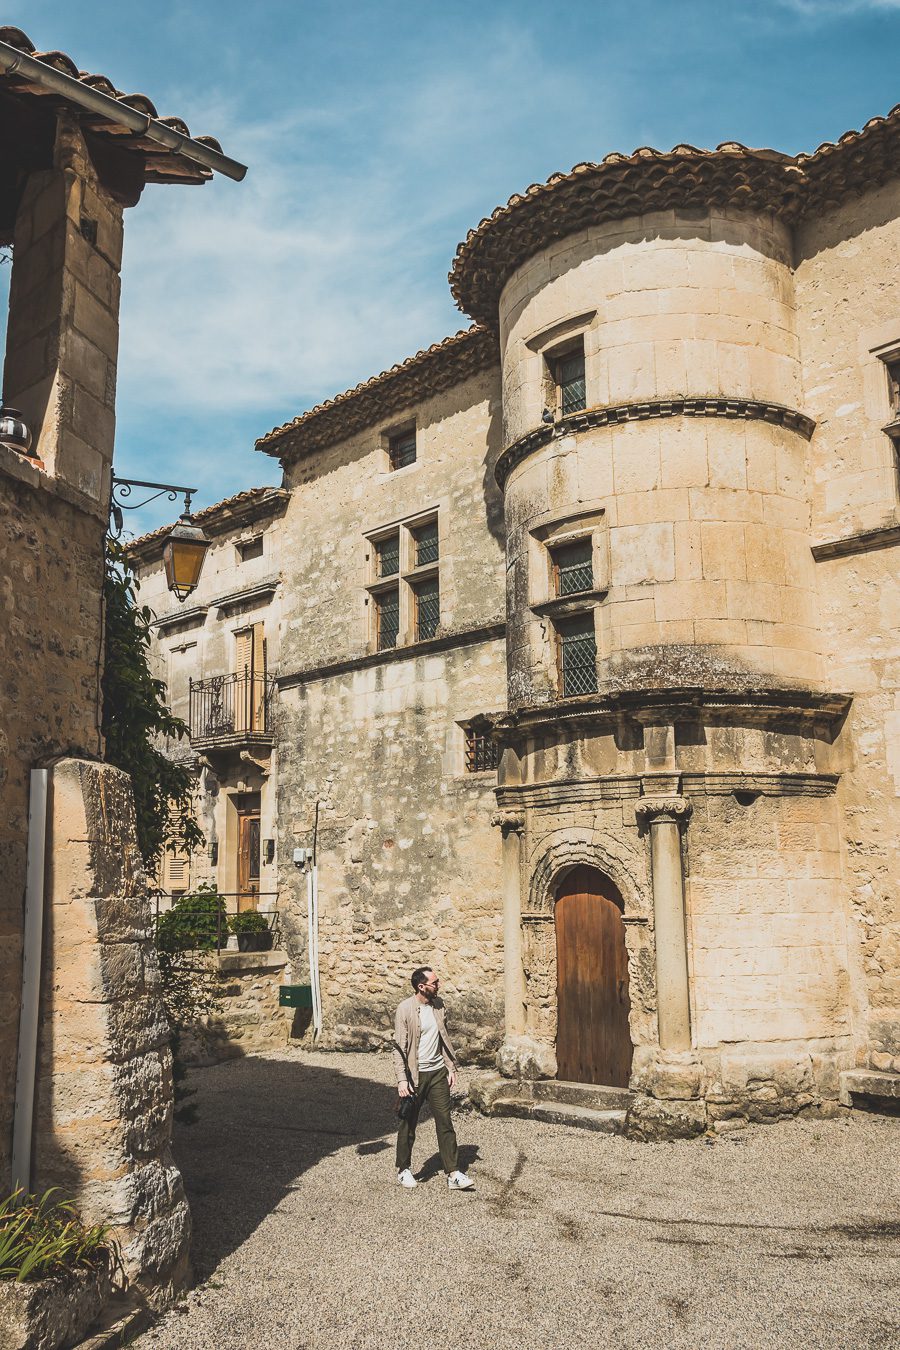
x=428, y=608
x=570, y=382
x=481, y=751
x=402, y=449
x=577, y=656
x=387, y=618
x=387, y=556
x=573, y=567
x=426, y=543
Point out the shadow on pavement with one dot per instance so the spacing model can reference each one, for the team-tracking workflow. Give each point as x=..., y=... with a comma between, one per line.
x=261, y=1124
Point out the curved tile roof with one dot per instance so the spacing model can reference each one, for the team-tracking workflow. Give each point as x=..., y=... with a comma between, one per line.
x=429, y=372
x=653, y=180
x=161, y=165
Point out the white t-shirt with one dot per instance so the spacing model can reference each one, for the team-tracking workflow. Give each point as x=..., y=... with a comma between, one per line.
x=430, y=1057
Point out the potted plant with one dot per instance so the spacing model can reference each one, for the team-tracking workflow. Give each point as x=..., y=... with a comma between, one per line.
x=252, y=931
x=196, y=922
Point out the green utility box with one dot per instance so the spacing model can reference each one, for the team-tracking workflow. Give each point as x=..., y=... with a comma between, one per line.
x=295, y=995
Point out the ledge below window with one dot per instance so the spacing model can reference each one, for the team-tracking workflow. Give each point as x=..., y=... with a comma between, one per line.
x=562, y=605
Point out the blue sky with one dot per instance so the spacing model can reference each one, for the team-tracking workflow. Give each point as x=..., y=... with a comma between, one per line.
x=377, y=134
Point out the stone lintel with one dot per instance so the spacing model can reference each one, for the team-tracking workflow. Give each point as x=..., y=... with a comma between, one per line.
x=625, y=787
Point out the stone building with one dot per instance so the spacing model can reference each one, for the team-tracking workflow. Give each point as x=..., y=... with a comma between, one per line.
x=75, y=153
x=635, y=533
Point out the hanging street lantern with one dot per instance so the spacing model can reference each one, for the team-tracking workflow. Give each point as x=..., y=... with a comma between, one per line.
x=14, y=432
x=183, y=556
x=186, y=544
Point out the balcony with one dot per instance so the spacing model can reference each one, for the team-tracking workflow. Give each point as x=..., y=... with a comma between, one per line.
x=231, y=710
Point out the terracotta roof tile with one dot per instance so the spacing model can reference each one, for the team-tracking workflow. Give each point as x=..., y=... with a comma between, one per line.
x=653, y=180
x=428, y=372
x=162, y=165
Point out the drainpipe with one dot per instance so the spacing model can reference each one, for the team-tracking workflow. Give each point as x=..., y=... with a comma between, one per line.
x=26, y=1065
x=314, y=931
x=14, y=62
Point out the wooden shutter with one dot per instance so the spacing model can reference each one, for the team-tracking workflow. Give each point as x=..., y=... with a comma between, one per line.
x=243, y=672
x=258, y=698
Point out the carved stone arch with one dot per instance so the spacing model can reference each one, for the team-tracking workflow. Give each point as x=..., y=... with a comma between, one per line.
x=608, y=853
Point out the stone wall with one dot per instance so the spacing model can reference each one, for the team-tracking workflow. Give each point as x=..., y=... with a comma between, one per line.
x=104, y=1082
x=50, y=550
x=408, y=862
x=248, y=1018
x=848, y=275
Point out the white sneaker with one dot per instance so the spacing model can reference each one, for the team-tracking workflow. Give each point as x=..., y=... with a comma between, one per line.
x=407, y=1179
x=458, y=1181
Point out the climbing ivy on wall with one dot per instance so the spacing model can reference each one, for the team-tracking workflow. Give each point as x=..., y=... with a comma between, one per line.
x=136, y=719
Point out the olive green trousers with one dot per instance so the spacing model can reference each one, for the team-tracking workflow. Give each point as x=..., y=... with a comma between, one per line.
x=434, y=1088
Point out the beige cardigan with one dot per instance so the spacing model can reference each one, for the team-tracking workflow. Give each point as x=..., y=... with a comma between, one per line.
x=406, y=1034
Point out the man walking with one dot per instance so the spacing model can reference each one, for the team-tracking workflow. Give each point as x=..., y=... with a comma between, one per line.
x=426, y=1070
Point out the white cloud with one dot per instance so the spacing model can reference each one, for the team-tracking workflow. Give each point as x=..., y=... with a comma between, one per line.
x=837, y=9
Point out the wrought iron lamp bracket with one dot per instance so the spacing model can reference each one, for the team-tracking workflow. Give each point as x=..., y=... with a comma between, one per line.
x=123, y=487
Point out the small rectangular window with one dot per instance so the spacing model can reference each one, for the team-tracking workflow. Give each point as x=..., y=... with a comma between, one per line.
x=426, y=542
x=570, y=382
x=428, y=609
x=893, y=373
x=402, y=449
x=577, y=656
x=573, y=567
x=387, y=618
x=481, y=751
x=387, y=556
x=250, y=548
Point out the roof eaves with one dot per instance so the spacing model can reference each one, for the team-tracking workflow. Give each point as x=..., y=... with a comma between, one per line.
x=428, y=372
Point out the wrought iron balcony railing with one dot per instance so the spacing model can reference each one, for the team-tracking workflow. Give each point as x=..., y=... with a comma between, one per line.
x=232, y=708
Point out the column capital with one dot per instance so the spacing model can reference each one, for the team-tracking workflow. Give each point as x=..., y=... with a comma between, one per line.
x=649, y=810
x=510, y=822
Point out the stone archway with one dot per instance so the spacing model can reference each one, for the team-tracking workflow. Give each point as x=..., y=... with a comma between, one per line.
x=622, y=861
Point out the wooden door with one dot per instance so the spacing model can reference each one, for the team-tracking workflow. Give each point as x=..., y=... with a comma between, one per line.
x=593, y=1039
x=248, y=859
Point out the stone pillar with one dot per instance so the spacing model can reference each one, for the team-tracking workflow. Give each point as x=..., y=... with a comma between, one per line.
x=511, y=825
x=664, y=817
x=63, y=327
x=103, y=1110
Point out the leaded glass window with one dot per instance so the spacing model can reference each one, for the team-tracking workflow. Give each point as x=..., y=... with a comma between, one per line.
x=402, y=449
x=577, y=656
x=573, y=567
x=428, y=609
x=387, y=556
x=426, y=540
x=387, y=612
x=571, y=383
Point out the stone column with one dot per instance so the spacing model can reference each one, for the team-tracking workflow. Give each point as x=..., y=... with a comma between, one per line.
x=511, y=825
x=664, y=816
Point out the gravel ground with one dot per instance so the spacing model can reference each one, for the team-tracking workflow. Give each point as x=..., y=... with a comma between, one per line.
x=777, y=1236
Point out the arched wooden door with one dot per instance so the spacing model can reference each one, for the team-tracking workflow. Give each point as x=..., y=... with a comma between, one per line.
x=593, y=1039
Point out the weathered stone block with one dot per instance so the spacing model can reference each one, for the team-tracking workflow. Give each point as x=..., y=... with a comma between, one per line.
x=652, y=1121
x=525, y=1057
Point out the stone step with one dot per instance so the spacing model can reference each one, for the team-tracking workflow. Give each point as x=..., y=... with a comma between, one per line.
x=561, y=1113
x=878, y=1089
x=597, y=1096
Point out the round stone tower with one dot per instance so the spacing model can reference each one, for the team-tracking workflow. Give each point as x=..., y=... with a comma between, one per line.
x=667, y=723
